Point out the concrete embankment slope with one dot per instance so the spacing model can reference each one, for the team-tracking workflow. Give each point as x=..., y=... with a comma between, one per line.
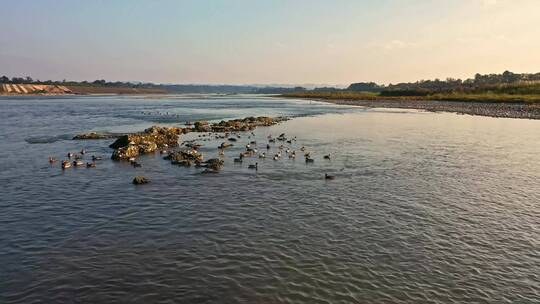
x=22, y=89
x=34, y=89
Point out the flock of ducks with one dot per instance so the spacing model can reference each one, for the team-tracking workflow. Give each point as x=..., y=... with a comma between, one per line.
x=76, y=160
x=283, y=151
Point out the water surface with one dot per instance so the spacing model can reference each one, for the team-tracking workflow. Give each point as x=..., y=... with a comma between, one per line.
x=425, y=208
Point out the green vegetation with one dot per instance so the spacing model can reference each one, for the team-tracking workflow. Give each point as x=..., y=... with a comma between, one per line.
x=507, y=87
x=471, y=97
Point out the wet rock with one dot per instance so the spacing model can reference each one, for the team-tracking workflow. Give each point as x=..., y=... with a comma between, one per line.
x=149, y=141
x=140, y=180
x=94, y=135
x=245, y=124
x=190, y=155
x=202, y=126
x=126, y=152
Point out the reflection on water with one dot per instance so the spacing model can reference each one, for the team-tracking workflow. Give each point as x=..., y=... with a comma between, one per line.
x=425, y=208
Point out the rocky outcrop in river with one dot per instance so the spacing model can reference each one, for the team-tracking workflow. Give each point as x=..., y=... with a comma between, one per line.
x=132, y=145
x=245, y=124
x=95, y=135
x=185, y=157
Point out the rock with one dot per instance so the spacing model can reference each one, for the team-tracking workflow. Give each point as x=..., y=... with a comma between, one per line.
x=125, y=152
x=140, y=180
x=94, y=135
x=202, y=126
x=246, y=124
x=149, y=141
x=178, y=156
x=147, y=147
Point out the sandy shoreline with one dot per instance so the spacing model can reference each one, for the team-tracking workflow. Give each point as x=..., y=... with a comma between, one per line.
x=491, y=109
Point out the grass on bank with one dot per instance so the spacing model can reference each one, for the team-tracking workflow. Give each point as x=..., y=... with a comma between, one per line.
x=366, y=96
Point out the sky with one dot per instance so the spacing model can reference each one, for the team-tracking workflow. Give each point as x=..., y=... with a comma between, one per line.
x=268, y=41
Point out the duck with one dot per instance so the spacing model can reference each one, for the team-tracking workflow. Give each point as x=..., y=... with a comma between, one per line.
x=90, y=165
x=276, y=157
x=262, y=155
x=327, y=156
x=253, y=142
x=289, y=141
x=52, y=160
x=309, y=160
x=83, y=151
x=94, y=158
x=256, y=166
x=209, y=171
x=238, y=160
x=77, y=163
x=136, y=164
x=303, y=149
x=327, y=176
x=70, y=155
x=221, y=152
x=267, y=147
x=66, y=164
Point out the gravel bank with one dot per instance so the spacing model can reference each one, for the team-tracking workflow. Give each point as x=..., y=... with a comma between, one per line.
x=506, y=110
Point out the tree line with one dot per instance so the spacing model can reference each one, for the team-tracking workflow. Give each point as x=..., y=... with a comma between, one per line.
x=506, y=81
x=98, y=82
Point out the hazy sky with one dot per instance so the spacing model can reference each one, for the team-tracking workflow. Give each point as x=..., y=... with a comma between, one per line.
x=256, y=41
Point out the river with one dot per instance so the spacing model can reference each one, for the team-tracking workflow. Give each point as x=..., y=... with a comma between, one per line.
x=424, y=208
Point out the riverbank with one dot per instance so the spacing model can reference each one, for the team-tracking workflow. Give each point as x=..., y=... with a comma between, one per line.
x=523, y=107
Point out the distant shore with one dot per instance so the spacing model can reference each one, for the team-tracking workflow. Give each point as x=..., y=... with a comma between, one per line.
x=481, y=107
